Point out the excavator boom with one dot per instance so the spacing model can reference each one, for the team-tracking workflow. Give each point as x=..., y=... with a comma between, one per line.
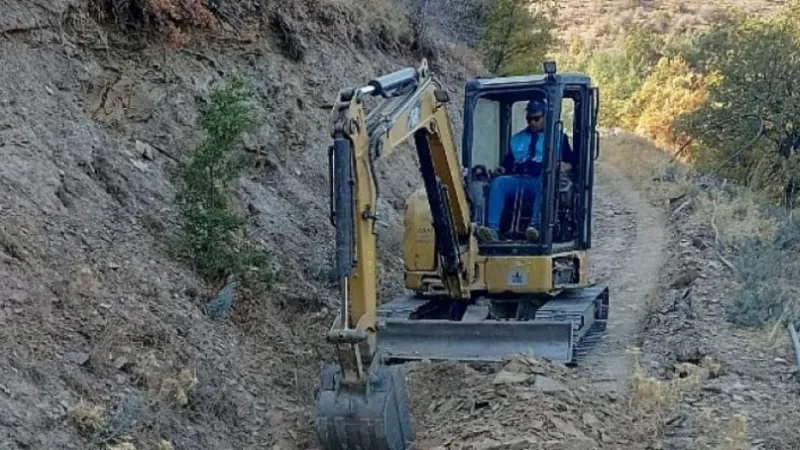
x=413, y=106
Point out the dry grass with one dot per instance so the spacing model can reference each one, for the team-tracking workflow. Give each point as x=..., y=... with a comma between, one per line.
x=720, y=433
x=737, y=437
x=150, y=373
x=177, y=388
x=736, y=212
x=84, y=282
x=645, y=165
x=122, y=446
x=88, y=417
x=655, y=400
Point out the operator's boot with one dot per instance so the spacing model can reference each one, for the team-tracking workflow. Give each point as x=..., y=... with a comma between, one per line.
x=531, y=234
x=486, y=234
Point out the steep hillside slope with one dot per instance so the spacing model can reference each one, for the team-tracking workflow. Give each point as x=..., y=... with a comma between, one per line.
x=599, y=24
x=102, y=335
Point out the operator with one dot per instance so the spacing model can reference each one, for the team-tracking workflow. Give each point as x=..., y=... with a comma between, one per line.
x=523, y=165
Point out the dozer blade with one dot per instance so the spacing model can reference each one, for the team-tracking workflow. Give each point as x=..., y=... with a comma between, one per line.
x=490, y=341
x=350, y=419
x=561, y=330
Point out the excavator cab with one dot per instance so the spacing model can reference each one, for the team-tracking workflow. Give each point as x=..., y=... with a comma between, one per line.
x=494, y=111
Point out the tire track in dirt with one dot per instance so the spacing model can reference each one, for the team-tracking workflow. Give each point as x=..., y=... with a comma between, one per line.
x=628, y=252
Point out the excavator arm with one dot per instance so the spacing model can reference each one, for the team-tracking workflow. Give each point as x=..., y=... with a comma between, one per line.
x=412, y=105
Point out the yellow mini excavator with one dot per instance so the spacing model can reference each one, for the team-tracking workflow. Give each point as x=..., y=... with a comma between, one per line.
x=524, y=290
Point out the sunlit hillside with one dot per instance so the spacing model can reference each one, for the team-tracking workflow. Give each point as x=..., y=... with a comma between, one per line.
x=603, y=23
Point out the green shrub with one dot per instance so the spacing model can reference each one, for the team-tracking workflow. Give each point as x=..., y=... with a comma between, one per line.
x=747, y=129
x=212, y=236
x=768, y=268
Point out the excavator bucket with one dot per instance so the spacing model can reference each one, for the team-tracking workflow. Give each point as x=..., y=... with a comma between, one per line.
x=350, y=418
x=559, y=331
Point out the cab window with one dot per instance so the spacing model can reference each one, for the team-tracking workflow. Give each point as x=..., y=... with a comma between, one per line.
x=486, y=134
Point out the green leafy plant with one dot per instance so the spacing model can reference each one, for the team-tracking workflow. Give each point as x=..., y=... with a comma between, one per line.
x=213, y=236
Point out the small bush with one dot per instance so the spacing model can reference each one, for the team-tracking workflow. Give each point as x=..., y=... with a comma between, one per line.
x=767, y=267
x=212, y=236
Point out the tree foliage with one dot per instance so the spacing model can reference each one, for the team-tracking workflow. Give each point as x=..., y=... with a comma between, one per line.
x=670, y=90
x=726, y=95
x=517, y=35
x=617, y=79
x=749, y=127
x=642, y=49
x=619, y=73
x=729, y=92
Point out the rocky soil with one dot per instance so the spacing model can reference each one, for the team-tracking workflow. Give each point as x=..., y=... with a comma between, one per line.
x=525, y=404
x=103, y=336
x=747, y=392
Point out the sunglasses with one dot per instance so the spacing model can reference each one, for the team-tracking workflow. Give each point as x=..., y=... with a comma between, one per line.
x=534, y=118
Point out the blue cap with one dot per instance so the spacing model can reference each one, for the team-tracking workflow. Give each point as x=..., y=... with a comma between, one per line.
x=536, y=106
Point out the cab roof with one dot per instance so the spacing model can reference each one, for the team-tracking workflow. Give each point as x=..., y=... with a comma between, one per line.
x=482, y=83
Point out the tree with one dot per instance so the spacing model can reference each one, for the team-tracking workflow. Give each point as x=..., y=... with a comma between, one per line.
x=211, y=235
x=517, y=35
x=618, y=81
x=749, y=127
x=670, y=90
x=642, y=48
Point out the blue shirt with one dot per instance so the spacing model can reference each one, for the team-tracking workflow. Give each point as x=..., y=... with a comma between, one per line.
x=523, y=160
x=521, y=143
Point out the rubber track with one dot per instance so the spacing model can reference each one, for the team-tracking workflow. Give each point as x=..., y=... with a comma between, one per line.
x=595, y=333
x=590, y=339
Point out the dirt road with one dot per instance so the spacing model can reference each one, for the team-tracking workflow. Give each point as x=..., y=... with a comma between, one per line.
x=627, y=254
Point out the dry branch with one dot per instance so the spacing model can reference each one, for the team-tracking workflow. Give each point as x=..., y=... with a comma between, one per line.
x=717, y=243
x=683, y=205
